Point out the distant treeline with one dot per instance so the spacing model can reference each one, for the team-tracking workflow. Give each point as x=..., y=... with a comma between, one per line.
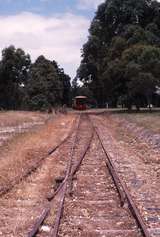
x=121, y=59
x=34, y=86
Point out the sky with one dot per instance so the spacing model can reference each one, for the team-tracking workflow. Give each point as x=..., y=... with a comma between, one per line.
x=55, y=28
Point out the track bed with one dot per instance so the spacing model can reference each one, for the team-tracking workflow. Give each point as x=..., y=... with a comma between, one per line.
x=88, y=203
x=94, y=209
x=82, y=189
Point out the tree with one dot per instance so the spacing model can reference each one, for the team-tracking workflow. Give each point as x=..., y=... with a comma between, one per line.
x=66, y=89
x=65, y=79
x=35, y=86
x=122, y=51
x=14, y=68
x=142, y=72
x=44, y=88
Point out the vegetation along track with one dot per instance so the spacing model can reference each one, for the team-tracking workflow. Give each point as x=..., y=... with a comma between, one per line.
x=34, y=165
x=87, y=202
x=25, y=205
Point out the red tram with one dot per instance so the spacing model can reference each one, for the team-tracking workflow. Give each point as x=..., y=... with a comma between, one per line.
x=79, y=103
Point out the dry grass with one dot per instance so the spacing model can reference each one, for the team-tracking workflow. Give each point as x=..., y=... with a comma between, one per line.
x=27, y=199
x=147, y=120
x=14, y=118
x=27, y=149
x=13, y=123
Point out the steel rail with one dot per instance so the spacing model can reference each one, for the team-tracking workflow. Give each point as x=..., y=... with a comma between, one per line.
x=65, y=139
x=39, y=221
x=120, y=185
x=54, y=231
x=79, y=162
x=35, y=165
x=46, y=211
x=51, y=196
x=75, y=168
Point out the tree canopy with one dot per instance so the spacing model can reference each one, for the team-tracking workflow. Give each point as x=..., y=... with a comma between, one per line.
x=44, y=88
x=121, y=59
x=14, y=68
x=36, y=86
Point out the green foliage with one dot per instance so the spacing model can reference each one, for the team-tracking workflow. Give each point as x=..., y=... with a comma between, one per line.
x=13, y=75
x=45, y=85
x=35, y=86
x=122, y=56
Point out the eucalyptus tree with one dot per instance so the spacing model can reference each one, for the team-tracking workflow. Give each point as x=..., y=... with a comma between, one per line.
x=14, y=68
x=124, y=38
x=44, y=88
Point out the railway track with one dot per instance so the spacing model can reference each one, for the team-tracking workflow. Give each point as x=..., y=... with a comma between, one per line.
x=78, y=149
x=34, y=166
x=124, y=194
x=26, y=200
x=90, y=200
x=140, y=176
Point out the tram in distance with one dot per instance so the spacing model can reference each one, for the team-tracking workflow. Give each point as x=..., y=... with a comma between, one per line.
x=79, y=103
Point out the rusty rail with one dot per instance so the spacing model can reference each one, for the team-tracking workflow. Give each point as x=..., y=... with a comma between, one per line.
x=4, y=190
x=39, y=221
x=71, y=172
x=51, y=196
x=122, y=188
x=65, y=139
x=55, y=229
x=46, y=211
x=74, y=170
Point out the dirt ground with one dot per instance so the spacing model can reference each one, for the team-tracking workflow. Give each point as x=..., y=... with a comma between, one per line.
x=27, y=195
x=137, y=161
x=144, y=127
x=15, y=118
x=147, y=120
x=20, y=154
x=131, y=140
x=13, y=123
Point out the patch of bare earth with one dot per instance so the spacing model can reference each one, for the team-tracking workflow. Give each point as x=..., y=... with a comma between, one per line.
x=138, y=165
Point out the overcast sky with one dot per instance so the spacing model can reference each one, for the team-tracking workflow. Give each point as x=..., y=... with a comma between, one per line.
x=55, y=28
